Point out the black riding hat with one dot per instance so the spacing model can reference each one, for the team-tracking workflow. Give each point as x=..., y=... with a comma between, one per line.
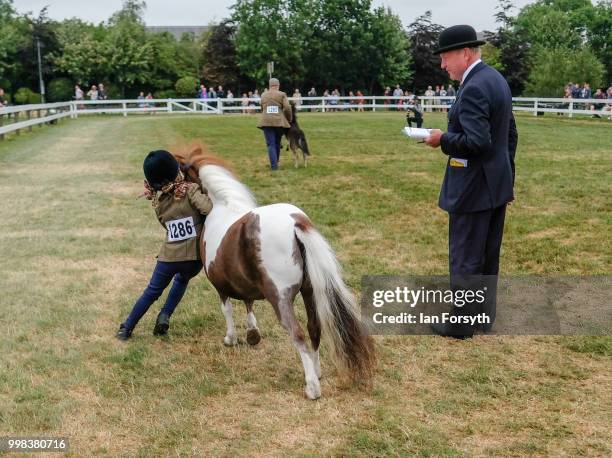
x=458, y=37
x=160, y=168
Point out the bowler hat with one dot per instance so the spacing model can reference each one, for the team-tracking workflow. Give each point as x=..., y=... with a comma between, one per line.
x=160, y=168
x=457, y=37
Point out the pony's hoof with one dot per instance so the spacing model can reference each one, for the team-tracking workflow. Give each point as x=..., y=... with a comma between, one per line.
x=230, y=341
x=313, y=389
x=253, y=336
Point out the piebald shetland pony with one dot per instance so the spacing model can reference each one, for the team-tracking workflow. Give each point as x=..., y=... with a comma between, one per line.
x=273, y=252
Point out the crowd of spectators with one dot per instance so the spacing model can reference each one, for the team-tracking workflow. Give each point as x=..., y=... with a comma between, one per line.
x=576, y=92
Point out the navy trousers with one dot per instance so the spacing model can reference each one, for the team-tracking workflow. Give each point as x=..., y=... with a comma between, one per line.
x=164, y=272
x=273, y=137
x=474, y=243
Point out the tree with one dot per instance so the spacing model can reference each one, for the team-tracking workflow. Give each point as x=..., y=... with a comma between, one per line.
x=511, y=50
x=554, y=68
x=126, y=49
x=271, y=30
x=599, y=34
x=81, y=55
x=425, y=66
x=549, y=24
x=219, y=54
x=9, y=38
x=389, y=60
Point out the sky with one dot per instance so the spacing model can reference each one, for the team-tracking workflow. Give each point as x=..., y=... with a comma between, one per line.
x=478, y=13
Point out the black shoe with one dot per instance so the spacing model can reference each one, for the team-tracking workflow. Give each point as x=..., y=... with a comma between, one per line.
x=123, y=333
x=454, y=331
x=161, y=325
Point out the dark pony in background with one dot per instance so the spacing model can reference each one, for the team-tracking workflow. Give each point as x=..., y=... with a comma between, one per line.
x=297, y=139
x=274, y=252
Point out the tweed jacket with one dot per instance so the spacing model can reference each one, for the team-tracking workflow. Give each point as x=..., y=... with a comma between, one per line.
x=275, y=110
x=183, y=221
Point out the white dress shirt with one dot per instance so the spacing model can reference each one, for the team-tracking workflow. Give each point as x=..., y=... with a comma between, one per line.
x=469, y=69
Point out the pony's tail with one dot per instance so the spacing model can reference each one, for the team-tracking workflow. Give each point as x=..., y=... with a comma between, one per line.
x=352, y=348
x=303, y=144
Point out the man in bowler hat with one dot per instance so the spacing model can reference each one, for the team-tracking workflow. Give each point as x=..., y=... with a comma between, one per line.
x=480, y=143
x=275, y=118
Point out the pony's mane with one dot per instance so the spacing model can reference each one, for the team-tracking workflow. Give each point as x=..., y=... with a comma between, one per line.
x=214, y=175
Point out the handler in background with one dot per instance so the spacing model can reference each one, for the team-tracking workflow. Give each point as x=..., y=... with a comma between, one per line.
x=275, y=119
x=480, y=144
x=180, y=208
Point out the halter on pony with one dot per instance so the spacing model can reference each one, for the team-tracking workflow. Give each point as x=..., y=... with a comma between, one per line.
x=273, y=252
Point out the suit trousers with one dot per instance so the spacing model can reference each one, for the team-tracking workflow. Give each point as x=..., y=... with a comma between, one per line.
x=273, y=137
x=474, y=246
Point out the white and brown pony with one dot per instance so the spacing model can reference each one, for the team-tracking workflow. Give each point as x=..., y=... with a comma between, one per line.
x=273, y=252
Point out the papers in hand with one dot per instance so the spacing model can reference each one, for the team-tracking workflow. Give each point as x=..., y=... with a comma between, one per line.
x=417, y=133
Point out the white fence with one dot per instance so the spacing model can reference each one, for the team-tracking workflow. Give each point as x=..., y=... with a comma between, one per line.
x=15, y=118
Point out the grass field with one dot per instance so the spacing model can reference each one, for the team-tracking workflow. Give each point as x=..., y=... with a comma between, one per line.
x=78, y=248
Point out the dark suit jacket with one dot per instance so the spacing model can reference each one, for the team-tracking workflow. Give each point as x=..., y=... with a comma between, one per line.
x=481, y=131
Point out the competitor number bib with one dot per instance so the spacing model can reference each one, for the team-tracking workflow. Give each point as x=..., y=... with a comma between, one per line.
x=272, y=109
x=181, y=229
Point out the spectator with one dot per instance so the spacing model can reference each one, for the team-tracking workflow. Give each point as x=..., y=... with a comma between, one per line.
x=202, y=93
x=220, y=93
x=585, y=93
x=312, y=93
x=230, y=94
x=360, y=100
x=428, y=93
x=141, y=98
x=608, y=107
x=245, y=103
x=93, y=93
x=3, y=101
x=351, y=101
x=397, y=93
x=599, y=95
x=387, y=93
x=298, y=98
x=211, y=93
x=575, y=88
x=566, y=95
x=78, y=92
x=442, y=93
x=150, y=104
x=450, y=91
x=334, y=99
x=102, y=92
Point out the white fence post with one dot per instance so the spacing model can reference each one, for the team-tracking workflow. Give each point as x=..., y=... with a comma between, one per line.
x=323, y=104
x=374, y=103
x=219, y=106
x=535, y=107
x=169, y=105
x=124, y=109
x=571, y=108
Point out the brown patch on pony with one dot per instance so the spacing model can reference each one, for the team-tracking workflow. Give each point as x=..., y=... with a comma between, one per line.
x=302, y=222
x=237, y=270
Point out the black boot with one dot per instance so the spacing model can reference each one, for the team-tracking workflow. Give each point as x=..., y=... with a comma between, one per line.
x=161, y=325
x=123, y=333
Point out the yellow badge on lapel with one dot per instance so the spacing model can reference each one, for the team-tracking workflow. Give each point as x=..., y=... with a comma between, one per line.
x=456, y=162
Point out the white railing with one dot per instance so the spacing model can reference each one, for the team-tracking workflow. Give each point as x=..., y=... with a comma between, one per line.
x=15, y=118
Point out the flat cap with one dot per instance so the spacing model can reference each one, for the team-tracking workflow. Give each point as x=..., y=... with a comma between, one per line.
x=274, y=82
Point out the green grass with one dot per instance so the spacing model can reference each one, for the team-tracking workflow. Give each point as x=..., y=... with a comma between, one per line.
x=78, y=249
